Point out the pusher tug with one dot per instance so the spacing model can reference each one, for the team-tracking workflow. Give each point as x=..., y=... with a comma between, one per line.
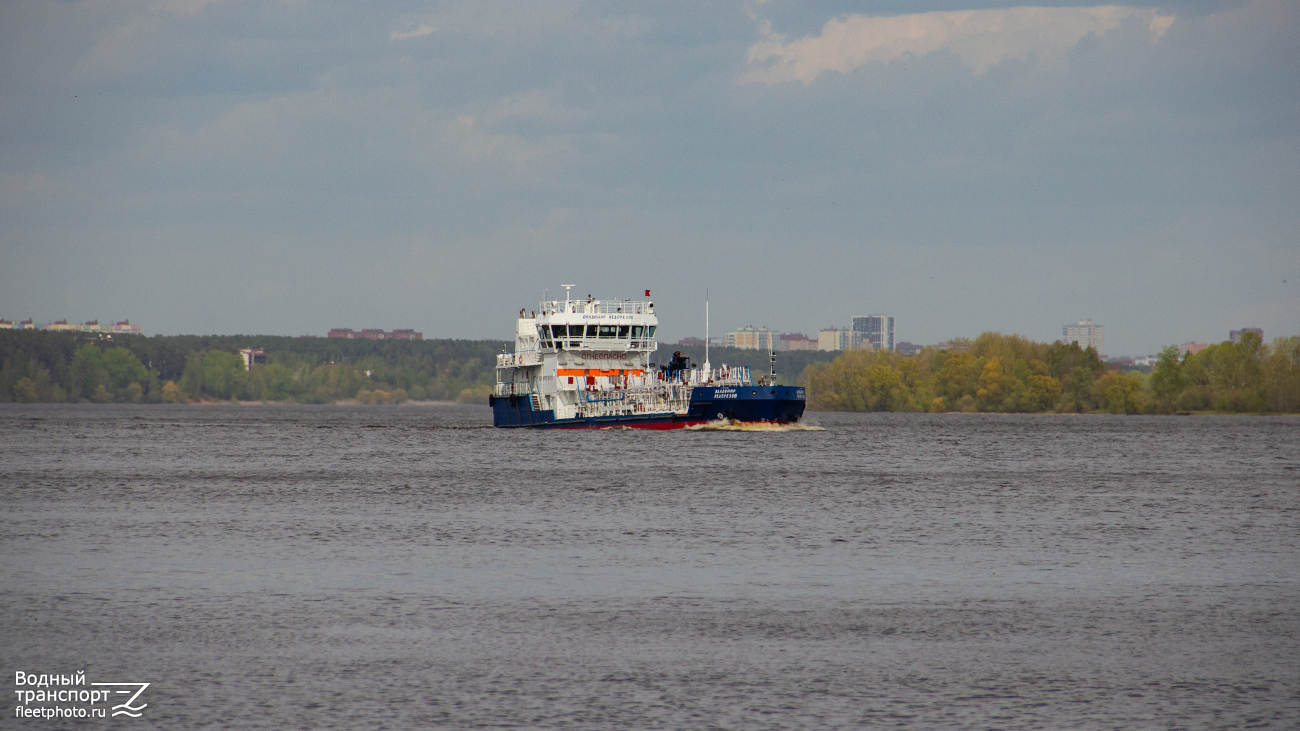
x=586, y=364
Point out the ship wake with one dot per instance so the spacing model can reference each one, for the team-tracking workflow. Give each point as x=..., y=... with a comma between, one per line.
x=765, y=426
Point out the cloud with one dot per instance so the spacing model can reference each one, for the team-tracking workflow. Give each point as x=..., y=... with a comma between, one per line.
x=980, y=38
x=419, y=32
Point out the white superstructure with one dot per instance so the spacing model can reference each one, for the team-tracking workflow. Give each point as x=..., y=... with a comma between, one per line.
x=591, y=358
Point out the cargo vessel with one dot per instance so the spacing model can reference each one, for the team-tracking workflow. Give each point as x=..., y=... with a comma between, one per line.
x=586, y=364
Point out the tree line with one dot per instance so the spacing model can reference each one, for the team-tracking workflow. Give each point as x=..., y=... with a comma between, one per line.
x=37, y=366
x=1009, y=373
x=994, y=373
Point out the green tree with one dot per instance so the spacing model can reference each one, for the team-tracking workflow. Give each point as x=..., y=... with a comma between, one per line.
x=1168, y=379
x=223, y=374
x=1076, y=390
x=958, y=375
x=1282, y=375
x=124, y=369
x=1063, y=358
x=88, y=376
x=25, y=391
x=1118, y=393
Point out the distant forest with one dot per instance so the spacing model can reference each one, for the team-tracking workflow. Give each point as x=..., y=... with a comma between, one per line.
x=994, y=373
x=1008, y=373
x=76, y=367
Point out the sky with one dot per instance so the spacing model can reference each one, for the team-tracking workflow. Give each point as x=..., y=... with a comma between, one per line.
x=284, y=168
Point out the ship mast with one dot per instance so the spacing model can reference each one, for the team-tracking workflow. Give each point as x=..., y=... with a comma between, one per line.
x=707, y=366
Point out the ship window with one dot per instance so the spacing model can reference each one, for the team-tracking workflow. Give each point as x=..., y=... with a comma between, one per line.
x=591, y=331
x=608, y=331
x=636, y=331
x=623, y=330
x=652, y=330
x=559, y=330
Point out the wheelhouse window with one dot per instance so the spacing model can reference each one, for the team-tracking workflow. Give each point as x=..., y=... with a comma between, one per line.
x=652, y=330
x=591, y=331
x=637, y=330
x=623, y=331
x=608, y=331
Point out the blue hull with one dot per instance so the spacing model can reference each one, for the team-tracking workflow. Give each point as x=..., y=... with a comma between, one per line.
x=775, y=404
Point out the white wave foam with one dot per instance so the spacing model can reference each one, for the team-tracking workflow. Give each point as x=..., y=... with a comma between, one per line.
x=732, y=425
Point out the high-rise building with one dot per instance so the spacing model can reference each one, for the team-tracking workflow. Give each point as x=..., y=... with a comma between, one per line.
x=1085, y=334
x=877, y=329
x=1235, y=335
x=752, y=338
x=834, y=339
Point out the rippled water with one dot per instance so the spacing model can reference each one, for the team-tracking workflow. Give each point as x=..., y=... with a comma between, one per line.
x=402, y=567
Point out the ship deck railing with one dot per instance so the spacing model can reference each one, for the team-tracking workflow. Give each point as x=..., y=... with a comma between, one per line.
x=523, y=358
x=518, y=388
x=635, y=401
x=728, y=376
x=602, y=345
x=737, y=376
x=597, y=307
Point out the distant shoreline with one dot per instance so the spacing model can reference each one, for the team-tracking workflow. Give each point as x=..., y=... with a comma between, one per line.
x=432, y=404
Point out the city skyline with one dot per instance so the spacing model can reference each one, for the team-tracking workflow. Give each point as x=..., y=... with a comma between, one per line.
x=230, y=167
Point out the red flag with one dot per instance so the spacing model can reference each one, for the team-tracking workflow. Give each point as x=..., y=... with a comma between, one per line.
x=647, y=293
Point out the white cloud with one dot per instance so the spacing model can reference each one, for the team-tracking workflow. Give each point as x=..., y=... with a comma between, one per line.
x=419, y=32
x=980, y=38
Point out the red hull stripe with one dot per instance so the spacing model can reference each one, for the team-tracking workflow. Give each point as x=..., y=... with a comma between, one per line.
x=661, y=425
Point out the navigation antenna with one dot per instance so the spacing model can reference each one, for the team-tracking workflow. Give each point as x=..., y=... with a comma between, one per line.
x=567, y=287
x=708, y=373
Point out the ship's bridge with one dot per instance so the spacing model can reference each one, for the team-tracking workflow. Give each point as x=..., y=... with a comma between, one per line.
x=589, y=325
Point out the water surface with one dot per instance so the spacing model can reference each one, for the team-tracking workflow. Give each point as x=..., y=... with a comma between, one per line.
x=404, y=566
